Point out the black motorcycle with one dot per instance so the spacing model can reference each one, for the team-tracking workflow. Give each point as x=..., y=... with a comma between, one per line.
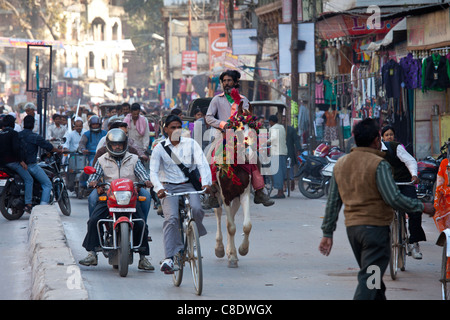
x=12, y=189
x=312, y=183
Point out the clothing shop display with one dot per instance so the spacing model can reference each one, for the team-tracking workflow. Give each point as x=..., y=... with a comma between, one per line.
x=319, y=91
x=344, y=117
x=329, y=92
x=435, y=73
x=330, y=130
x=332, y=61
x=319, y=124
x=412, y=72
x=345, y=59
x=392, y=76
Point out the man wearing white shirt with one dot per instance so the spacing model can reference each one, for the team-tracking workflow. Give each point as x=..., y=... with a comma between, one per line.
x=73, y=138
x=71, y=145
x=166, y=175
x=278, y=155
x=30, y=110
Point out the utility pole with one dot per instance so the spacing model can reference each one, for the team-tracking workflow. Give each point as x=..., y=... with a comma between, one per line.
x=312, y=87
x=294, y=59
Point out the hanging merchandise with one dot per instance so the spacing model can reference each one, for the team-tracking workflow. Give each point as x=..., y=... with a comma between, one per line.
x=319, y=91
x=329, y=92
x=332, y=61
x=392, y=75
x=330, y=131
x=412, y=72
x=435, y=73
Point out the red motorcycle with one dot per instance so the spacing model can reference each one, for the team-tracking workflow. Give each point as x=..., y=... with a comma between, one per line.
x=116, y=232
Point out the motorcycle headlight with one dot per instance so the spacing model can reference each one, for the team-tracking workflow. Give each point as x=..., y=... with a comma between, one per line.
x=122, y=197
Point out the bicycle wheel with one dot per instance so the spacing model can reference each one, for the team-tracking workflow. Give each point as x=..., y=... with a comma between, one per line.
x=403, y=241
x=393, y=261
x=194, y=256
x=444, y=273
x=179, y=260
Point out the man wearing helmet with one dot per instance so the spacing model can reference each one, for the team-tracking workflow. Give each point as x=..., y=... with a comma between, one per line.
x=117, y=162
x=88, y=143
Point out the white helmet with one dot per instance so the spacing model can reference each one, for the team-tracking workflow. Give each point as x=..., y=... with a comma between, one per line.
x=116, y=136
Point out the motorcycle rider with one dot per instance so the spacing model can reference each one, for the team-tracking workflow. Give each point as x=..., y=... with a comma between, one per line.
x=117, y=162
x=12, y=157
x=30, y=143
x=88, y=143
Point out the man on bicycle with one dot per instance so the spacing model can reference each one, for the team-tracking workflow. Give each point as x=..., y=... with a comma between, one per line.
x=166, y=175
x=363, y=181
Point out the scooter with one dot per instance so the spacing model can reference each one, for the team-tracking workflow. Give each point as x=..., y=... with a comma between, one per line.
x=117, y=232
x=315, y=171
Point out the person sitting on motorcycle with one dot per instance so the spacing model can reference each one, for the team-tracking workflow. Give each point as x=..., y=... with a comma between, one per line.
x=12, y=157
x=405, y=170
x=117, y=162
x=166, y=175
x=89, y=141
x=30, y=143
x=93, y=197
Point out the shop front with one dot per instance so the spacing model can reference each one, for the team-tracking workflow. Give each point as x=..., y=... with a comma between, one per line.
x=429, y=43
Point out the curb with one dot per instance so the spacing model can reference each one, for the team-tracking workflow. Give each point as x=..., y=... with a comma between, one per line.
x=54, y=273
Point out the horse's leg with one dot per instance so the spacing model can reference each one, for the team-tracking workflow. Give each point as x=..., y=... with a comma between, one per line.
x=231, y=232
x=247, y=226
x=220, y=251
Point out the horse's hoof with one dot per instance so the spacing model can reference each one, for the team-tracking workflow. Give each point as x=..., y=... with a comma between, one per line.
x=242, y=251
x=232, y=264
x=220, y=252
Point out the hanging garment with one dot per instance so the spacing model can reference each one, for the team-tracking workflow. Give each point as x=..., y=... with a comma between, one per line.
x=392, y=76
x=435, y=73
x=319, y=92
x=332, y=61
x=411, y=72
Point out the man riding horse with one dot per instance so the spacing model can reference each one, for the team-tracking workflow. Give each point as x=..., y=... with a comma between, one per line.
x=219, y=111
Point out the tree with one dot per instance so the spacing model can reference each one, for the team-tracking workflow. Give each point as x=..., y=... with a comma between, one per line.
x=31, y=15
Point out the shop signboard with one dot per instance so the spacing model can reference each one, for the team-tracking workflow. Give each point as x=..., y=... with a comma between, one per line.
x=342, y=26
x=218, y=43
x=189, y=63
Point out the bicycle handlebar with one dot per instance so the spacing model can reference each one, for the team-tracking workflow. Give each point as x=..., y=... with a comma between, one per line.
x=184, y=193
x=410, y=183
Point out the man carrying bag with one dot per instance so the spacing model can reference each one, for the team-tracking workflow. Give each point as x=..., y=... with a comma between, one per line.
x=166, y=173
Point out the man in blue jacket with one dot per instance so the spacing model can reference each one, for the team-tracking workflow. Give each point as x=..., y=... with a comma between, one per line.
x=30, y=143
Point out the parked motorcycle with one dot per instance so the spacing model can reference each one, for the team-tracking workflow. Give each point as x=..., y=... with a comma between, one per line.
x=427, y=173
x=315, y=171
x=12, y=189
x=116, y=232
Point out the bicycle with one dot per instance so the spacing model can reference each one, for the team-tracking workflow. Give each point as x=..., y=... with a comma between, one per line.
x=399, y=240
x=191, y=252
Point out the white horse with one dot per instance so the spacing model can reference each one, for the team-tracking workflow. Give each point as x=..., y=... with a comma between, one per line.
x=235, y=192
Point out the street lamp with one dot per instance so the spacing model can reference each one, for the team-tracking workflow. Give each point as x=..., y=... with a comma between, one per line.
x=39, y=78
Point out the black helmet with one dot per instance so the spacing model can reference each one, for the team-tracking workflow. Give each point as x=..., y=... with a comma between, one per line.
x=95, y=119
x=116, y=136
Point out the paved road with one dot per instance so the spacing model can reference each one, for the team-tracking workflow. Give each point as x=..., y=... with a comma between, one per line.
x=283, y=261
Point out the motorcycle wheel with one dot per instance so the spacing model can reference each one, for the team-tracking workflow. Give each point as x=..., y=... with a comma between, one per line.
x=124, y=248
x=64, y=202
x=308, y=190
x=7, y=212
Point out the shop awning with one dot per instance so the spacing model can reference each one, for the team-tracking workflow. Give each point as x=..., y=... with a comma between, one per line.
x=388, y=39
